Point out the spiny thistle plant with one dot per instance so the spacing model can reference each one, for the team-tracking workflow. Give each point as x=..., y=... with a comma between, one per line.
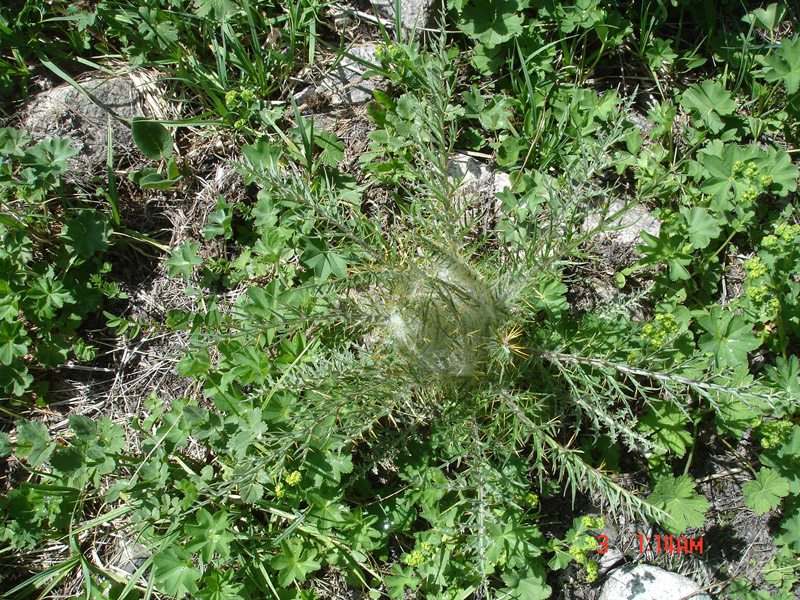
x=440, y=319
x=478, y=326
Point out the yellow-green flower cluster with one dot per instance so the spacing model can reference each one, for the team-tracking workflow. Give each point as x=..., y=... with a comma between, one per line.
x=786, y=233
x=594, y=522
x=418, y=556
x=591, y=571
x=291, y=479
x=659, y=328
x=749, y=195
x=387, y=54
x=280, y=490
x=757, y=293
x=775, y=433
x=755, y=268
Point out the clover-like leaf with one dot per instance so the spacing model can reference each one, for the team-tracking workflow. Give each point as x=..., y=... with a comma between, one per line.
x=211, y=534
x=324, y=261
x=765, y=492
x=401, y=578
x=183, y=259
x=33, y=442
x=790, y=536
x=13, y=341
x=527, y=585
x=668, y=426
x=293, y=563
x=727, y=337
x=677, y=496
x=87, y=233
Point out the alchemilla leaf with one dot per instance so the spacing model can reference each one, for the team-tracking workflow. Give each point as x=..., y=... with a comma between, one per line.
x=765, y=492
x=677, y=496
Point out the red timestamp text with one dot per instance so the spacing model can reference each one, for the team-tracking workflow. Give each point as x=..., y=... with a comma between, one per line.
x=659, y=543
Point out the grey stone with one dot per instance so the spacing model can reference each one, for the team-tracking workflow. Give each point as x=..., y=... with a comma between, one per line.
x=476, y=195
x=476, y=176
x=625, y=229
x=64, y=111
x=346, y=83
x=646, y=582
x=641, y=122
x=414, y=14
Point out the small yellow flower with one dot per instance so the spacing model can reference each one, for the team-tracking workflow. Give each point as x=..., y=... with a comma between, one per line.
x=280, y=490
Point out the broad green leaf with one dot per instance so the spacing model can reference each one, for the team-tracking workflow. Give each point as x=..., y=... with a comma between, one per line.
x=219, y=221
x=85, y=428
x=767, y=18
x=332, y=148
x=6, y=447
x=401, y=577
x=667, y=249
x=152, y=139
x=51, y=154
x=790, y=536
x=667, y=425
x=491, y=22
x=33, y=442
x=47, y=294
x=15, y=378
x=677, y=496
x=175, y=573
x=778, y=164
x=709, y=101
x=765, y=493
x=727, y=337
x=68, y=460
x=324, y=262
x=784, y=64
x=220, y=585
x=13, y=141
x=725, y=171
x=528, y=585
x=701, y=226
x=13, y=342
x=182, y=260
x=87, y=233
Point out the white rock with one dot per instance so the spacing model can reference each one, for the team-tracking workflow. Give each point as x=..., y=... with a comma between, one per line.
x=346, y=83
x=414, y=14
x=625, y=229
x=646, y=582
x=475, y=175
x=65, y=112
